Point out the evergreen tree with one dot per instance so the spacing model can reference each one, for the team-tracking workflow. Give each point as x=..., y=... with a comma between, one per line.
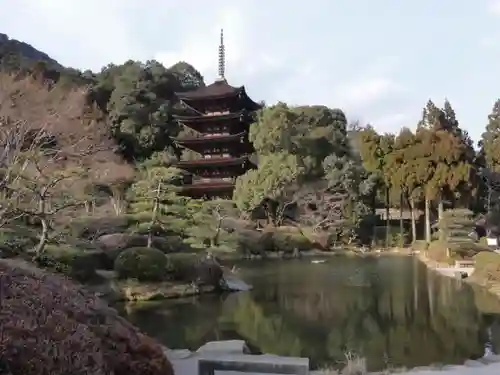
x=374, y=150
x=490, y=139
x=447, y=160
x=152, y=197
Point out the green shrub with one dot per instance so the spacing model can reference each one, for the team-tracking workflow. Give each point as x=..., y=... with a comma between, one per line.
x=253, y=243
x=289, y=241
x=438, y=251
x=90, y=227
x=395, y=236
x=141, y=263
x=487, y=267
x=16, y=239
x=171, y=244
x=450, y=252
x=180, y=266
x=420, y=245
x=77, y=264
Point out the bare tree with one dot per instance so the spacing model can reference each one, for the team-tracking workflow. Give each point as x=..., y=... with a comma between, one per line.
x=38, y=175
x=114, y=180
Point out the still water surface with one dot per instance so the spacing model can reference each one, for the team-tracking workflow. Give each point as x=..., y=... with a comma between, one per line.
x=391, y=310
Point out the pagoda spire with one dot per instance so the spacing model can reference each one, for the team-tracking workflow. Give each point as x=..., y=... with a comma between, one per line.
x=222, y=57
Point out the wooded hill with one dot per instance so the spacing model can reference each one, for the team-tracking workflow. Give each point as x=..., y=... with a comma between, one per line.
x=334, y=173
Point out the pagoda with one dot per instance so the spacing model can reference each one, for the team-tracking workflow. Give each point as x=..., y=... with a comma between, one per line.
x=220, y=120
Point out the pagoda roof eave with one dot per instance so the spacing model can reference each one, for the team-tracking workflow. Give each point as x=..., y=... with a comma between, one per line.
x=201, y=140
x=216, y=90
x=187, y=164
x=209, y=186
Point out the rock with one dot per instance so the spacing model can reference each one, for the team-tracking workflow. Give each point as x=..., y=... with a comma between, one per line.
x=133, y=291
x=236, y=285
x=174, y=354
x=226, y=347
x=472, y=363
x=115, y=241
x=207, y=271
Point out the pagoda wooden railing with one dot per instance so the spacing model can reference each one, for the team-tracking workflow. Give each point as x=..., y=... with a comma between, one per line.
x=217, y=113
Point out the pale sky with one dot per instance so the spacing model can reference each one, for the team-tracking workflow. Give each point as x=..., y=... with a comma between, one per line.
x=378, y=60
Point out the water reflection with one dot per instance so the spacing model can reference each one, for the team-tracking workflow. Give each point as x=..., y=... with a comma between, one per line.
x=389, y=309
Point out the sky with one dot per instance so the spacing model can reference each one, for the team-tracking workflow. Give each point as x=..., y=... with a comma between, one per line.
x=378, y=60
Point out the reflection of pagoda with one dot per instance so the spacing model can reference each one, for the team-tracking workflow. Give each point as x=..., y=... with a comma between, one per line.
x=221, y=118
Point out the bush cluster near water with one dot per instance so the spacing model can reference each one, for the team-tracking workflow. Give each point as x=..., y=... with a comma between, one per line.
x=141, y=263
x=487, y=267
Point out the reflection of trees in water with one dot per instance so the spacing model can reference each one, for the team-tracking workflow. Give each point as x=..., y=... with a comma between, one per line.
x=378, y=307
x=400, y=312
x=185, y=323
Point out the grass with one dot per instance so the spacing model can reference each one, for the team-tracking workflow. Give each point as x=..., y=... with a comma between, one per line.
x=353, y=365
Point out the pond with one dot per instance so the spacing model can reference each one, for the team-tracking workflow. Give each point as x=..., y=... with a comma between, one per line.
x=390, y=310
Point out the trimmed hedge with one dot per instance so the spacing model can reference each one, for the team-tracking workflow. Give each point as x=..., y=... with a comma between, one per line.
x=288, y=242
x=180, y=266
x=255, y=243
x=89, y=227
x=141, y=263
x=487, y=267
x=52, y=326
x=77, y=264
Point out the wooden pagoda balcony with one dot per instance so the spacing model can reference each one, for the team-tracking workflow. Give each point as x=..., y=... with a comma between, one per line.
x=203, y=187
x=199, y=180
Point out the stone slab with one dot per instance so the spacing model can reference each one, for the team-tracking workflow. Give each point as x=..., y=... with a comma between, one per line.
x=227, y=346
x=262, y=364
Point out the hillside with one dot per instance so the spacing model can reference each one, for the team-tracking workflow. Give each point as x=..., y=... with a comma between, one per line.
x=15, y=54
x=131, y=104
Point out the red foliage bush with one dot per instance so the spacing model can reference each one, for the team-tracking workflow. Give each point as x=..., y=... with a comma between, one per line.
x=50, y=326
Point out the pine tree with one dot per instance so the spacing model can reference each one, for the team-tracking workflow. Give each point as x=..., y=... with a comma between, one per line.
x=153, y=198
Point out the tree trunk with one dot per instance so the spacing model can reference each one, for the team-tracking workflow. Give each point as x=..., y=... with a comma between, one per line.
x=374, y=213
x=401, y=222
x=116, y=202
x=215, y=240
x=440, y=220
x=427, y=221
x=387, y=219
x=149, y=245
x=413, y=221
x=40, y=247
x=154, y=216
